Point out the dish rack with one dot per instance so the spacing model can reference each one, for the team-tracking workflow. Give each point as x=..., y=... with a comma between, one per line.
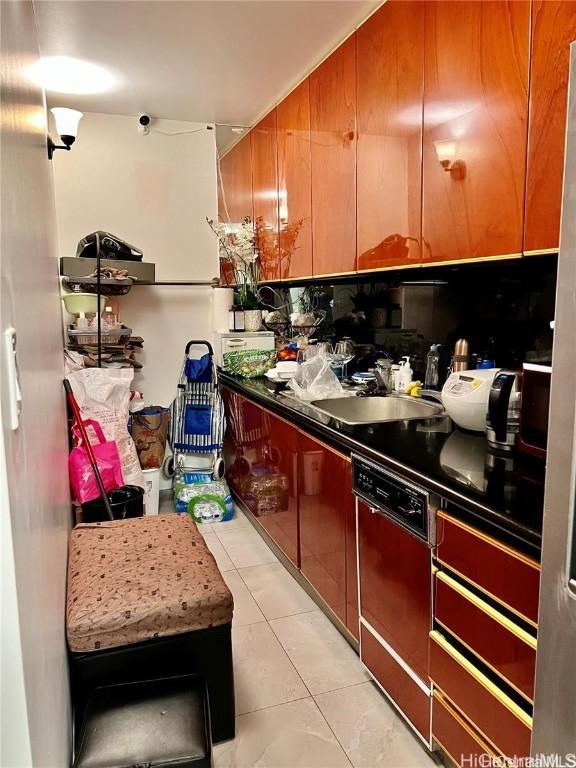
x=86, y=337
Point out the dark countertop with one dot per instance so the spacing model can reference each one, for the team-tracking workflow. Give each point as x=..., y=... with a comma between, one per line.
x=503, y=495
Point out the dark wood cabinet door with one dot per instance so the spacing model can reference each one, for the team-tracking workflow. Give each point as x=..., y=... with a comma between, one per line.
x=504, y=646
x=325, y=497
x=475, y=122
x=395, y=586
x=401, y=687
x=501, y=572
x=352, y=614
x=235, y=189
x=265, y=192
x=295, y=183
x=455, y=735
x=553, y=29
x=246, y=451
x=281, y=455
x=333, y=136
x=235, y=194
x=493, y=713
x=389, y=65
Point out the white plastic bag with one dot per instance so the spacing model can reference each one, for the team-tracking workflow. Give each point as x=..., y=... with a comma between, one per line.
x=315, y=380
x=103, y=394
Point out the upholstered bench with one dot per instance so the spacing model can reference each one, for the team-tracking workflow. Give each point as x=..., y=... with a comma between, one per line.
x=145, y=599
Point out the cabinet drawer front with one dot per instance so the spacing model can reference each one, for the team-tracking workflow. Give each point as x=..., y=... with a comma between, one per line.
x=453, y=734
x=502, y=645
x=410, y=698
x=495, y=715
x=506, y=575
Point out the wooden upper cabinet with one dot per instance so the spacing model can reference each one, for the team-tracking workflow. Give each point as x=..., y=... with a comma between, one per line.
x=235, y=190
x=333, y=137
x=553, y=29
x=265, y=193
x=295, y=183
x=389, y=67
x=475, y=123
x=235, y=193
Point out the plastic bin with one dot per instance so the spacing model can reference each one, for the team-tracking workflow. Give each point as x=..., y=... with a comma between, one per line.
x=152, y=490
x=127, y=501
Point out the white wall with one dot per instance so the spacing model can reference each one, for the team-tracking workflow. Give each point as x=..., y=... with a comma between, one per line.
x=153, y=191
x=167, y=317
x=35, y=504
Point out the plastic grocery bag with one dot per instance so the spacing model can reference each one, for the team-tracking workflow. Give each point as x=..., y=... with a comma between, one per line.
x=315, y=380
x=82, y=479
x=103, y=394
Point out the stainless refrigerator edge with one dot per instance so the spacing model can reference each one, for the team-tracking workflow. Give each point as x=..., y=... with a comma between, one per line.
x=555, y=697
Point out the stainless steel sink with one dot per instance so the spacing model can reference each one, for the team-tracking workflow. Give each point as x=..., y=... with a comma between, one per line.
x=371, y=410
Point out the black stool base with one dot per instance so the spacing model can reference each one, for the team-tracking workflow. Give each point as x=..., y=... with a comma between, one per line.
x=157, y=723
x=206, y=652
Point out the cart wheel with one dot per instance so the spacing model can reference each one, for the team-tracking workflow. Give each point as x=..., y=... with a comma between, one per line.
x=168, y=468
x=219, y=469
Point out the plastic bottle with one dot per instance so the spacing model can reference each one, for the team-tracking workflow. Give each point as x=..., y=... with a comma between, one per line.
x=81, y=321
x=404, y=376
x=394, y=375
x=432, y=361
x=109, y=320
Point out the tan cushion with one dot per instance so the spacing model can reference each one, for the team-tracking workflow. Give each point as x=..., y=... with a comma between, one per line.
x=138, y=579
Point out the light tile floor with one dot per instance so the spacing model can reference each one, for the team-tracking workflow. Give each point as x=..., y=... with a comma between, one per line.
x=303, y=700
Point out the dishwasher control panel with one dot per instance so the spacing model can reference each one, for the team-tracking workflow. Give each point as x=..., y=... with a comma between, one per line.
x=392, y=495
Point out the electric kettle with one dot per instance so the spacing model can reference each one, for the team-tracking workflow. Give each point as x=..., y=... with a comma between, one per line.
x=503, y=417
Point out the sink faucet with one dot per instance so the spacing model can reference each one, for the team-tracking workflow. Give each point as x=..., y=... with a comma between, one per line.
x=378, y=387
x=382, y=381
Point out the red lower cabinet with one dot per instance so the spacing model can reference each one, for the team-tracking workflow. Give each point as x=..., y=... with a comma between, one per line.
x=455, y=736
x=325, y=503
x=500, y=643
x=405, y=692
x=351, y=572
x=260, y=452
x=504, y=574
x=395, y=586
x=499, y=719
x=281, y=520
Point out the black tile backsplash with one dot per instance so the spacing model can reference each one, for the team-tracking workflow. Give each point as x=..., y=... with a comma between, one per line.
x=503, y=308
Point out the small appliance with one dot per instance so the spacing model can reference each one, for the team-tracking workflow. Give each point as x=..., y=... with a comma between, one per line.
x=107, y=246
x=465, y=397
x=245, y=340
x=535, y=402
x=503, y=417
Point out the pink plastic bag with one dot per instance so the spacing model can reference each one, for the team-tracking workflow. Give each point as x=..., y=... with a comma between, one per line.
x=82, y=479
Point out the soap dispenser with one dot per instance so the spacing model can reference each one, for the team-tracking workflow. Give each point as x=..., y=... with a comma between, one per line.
x=404, y=376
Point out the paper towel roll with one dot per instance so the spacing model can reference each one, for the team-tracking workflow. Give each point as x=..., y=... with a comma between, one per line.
x=222, y=300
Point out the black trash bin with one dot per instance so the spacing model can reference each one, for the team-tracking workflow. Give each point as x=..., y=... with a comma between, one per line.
x=127, y=501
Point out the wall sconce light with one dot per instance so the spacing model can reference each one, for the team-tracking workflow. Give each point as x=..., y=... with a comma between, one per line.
x=67, y=126
x=446, y=154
